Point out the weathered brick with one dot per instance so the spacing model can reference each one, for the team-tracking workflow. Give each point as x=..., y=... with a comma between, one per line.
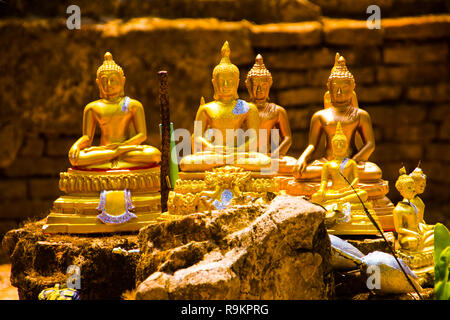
x=444, y=131
x=430, y=52
x=6, y=225
x=300, y=140
x=378, y=94
x=351, y=32
x=381, y=115
x=360, y=56
x=415, y=133
x=59, y=147
x=413, y=74
x=44, y=189
x=362, y=75
x=304, y=96
x=25, y=167
x=288, y=79
x=299, y=59
x=13, y=189
x=397, y=152
x=286, y=34
x=440, y=113
x=426, y=27
x=299, y=118
x=25, y=209
x=410, y=114
x=438, y=152
x=436, y=93
x=33, y=146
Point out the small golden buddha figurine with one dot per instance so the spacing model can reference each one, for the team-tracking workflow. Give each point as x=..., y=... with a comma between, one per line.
x=113, y=187
x=408, y=219
x=272, y=116
x=340, y=105
x=343, y=193
x=227, y=117
x=122, y=125
x=416, y=242
x=420, y=181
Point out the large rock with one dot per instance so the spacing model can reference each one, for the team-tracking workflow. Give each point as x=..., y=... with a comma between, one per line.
x=276, y=251
x=39, y=261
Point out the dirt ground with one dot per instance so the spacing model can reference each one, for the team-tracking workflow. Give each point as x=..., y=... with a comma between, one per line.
x=7, y=292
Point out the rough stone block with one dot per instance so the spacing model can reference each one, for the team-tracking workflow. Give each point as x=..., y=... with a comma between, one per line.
x=436, y=93
x=59, y=147
x=423, y=73
x=13, y=189
x=288, y=79
x=420, y=28
x=438, y=152
x=304, y=96
x=377, y=94
x=39, y=261
x=25, y=167
x=279, y=251
x=299, y=60
x=439, y=113
x=281, y=35
x=351, y=32
x=415, y=133
x=44, y=189
x=444, y=130
x=404, y=54
x=299, y=118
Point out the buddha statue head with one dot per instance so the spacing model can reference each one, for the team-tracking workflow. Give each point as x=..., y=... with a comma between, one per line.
x=420, y=179
x=225, y=77
x=339, y=142
x=259, y=81
x=341, y=83
x=405, y=185
x=110, y=78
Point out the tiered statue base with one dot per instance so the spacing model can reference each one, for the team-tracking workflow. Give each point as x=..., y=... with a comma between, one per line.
x=219, y=188
x=106, y=201
x=422, y=263
x=359, y=223
x=376, y=190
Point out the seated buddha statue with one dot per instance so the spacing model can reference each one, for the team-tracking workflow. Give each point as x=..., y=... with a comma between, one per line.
x=416, y=243
x=420, y=181
x=340, y=105
x=272, y=116
x=112, y=187
x=122, y=126
x=343, y=194
x=226, y=129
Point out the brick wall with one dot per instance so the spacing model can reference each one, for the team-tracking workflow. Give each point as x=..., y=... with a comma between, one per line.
x=49, y=75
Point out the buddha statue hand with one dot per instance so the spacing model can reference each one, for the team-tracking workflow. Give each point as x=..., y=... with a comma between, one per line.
x=319, y=196
x=300, y=166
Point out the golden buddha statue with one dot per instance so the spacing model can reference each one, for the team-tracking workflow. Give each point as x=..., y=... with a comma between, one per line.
x=420, y=181
x=225, y=168
x=227, y=118
x=112, y=187
x=272, y=116
x=122, y=126
x=342, y=107
x=416, y=241
x=343, y=195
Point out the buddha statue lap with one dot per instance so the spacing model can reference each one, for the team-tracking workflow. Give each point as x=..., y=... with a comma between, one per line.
x=112, y=187
x=341, y=196
x=272, y=117
x=415, y=237
x=341, y=105
x=225, y=157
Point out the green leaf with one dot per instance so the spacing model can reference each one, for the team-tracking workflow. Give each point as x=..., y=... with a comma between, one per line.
x=441, y=240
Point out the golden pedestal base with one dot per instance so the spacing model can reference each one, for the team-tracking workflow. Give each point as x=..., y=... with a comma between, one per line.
x=376, y=191
x=359, y=223
x=219, y=188
x=78, y=211
x=421, y=263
